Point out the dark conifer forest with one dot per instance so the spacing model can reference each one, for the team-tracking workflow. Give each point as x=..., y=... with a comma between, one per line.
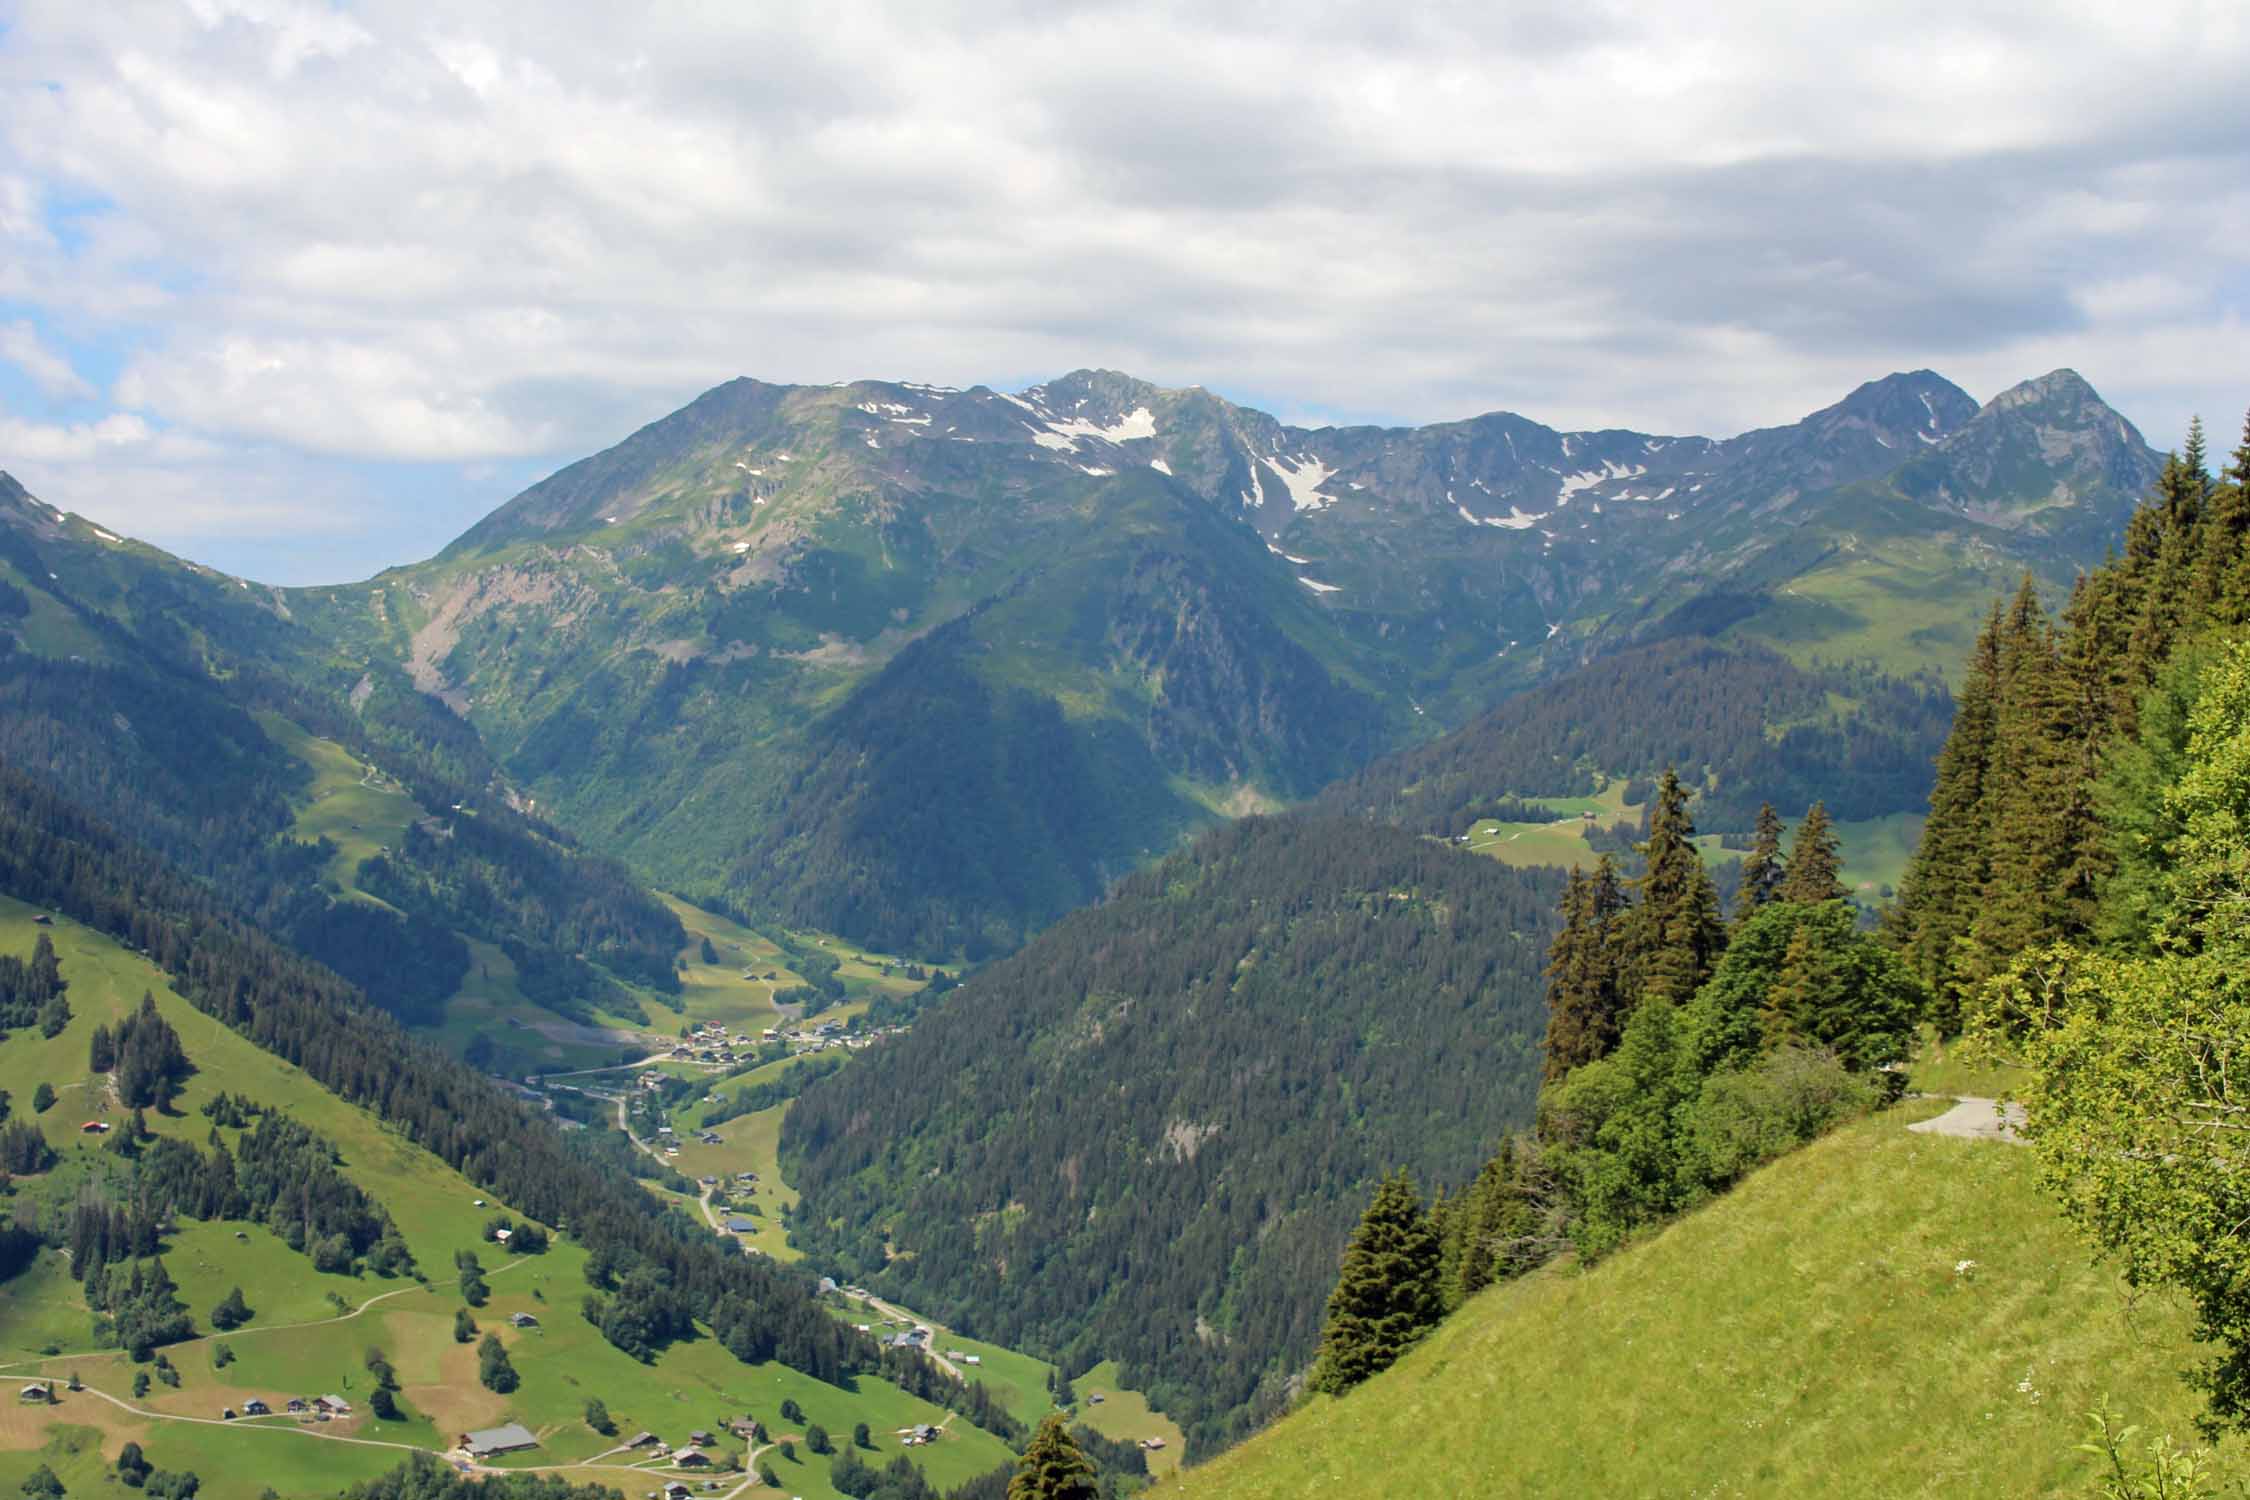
x=1148, y=1133
x=1742, y=723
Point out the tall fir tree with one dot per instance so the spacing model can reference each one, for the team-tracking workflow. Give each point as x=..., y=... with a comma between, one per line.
x=1939, y=893
x=1763, y=868
x=2225, y=582
x=1449, y=1221
x=1816, y=861
x=1052, y=1467
x=1494, y=1219
x=1387, y=1292
x=2036, y=765
x=1586, y=1001
x=1673, y=933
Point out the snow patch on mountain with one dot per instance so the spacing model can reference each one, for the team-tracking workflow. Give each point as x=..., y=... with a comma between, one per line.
x=1515, y=520
x=1588, y=478
x=1304, y=477
x=1140, y=422
x=1320, y=588
x=1160, y=466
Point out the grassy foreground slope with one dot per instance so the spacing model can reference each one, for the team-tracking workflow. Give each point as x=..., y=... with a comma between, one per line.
x=1882, y=1313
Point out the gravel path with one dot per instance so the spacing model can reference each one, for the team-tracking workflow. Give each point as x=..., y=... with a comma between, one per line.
x=1977, y=1120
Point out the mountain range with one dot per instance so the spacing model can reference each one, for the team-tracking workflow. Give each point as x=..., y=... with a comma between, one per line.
x=785, y=647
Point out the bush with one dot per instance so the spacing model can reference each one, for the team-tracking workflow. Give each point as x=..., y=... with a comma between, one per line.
x=1789, y=1096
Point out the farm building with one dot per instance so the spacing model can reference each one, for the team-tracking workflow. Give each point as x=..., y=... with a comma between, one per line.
x=514, y=1437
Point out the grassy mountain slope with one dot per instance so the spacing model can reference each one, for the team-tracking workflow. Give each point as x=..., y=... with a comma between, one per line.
x=1146, y=1136
x=1813, y=1332
x=356, y=819
x=300, y=1341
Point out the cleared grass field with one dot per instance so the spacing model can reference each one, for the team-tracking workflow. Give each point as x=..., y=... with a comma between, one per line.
x=1876, y=852
x=1880, y=1314
x=354, y=807
x=1125, y=1415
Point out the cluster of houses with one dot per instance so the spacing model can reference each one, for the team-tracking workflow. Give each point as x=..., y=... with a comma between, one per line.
x=696, y=1452
x=710, y=1043
x=303, y=1408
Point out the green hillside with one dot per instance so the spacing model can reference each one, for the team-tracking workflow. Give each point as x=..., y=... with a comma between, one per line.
x=1883, y=1314
x=309, y=1331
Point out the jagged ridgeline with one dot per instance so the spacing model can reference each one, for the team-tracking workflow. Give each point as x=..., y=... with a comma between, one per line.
x=2045, y=821
x=1147, y=1136
x=928, y=667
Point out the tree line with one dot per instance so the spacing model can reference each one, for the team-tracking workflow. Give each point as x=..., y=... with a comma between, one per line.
x=2078, y=900
x=1682, y=1050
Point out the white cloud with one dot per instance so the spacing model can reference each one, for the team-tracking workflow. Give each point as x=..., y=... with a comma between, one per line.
x=418, y=232
x=66, y=443
x=21, y=346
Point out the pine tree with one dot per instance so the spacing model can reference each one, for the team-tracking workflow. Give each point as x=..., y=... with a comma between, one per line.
x=1449, y=1222
x=1673, y=933
x=1585, y=1001
x=2037, y=777
x=1938, y=896
x=1763, y=869
x=1052, y=1468
x=1490, y=1216
x=1815, y=861
x=2227, y=544
x=1386, y=1293
x=231, y=1312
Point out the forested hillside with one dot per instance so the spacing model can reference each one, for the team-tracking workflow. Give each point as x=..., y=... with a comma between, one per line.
x=1742, y=725
x=148, y=692
x=2077, y=900
x=1146, y=1136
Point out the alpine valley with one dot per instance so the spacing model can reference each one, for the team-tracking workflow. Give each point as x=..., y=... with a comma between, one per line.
x=870, y=938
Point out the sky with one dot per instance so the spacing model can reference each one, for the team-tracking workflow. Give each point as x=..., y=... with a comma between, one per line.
x=301, y=290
